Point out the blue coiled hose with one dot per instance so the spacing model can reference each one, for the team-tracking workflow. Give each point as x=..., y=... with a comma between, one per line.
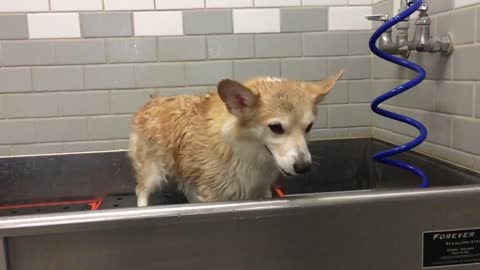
x=383, y=157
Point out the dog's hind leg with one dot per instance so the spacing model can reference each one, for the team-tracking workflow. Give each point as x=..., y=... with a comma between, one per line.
x=150, y=178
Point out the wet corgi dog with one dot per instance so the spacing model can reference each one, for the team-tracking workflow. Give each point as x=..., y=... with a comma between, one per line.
x=230, y=144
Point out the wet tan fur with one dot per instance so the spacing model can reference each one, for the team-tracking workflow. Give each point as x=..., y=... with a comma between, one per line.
x=199, y=143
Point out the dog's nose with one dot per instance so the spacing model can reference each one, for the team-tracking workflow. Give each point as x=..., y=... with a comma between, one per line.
x=301, y=167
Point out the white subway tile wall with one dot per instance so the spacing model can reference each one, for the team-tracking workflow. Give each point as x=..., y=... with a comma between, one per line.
x=464, y=3
x=158, y=23
x=175, y=18
x=277, y=3
x=349, y=18
x=54, y=25
x=23, y=5
x=360, y=2
x=179, y=4
x=73, y=72
x=72, y=5
x=228, y=3
x=256, y=20
x=324, y=2
x=129, y=4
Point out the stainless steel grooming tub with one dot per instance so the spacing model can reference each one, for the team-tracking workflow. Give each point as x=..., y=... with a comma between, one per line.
x=348, y=213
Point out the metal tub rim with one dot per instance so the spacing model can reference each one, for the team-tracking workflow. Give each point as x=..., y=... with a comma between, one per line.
x=168, y=214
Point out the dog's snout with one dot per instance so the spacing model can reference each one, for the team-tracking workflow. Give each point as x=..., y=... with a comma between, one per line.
x=301, y=167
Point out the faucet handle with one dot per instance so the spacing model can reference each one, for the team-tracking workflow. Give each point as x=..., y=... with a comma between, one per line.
x=423, y=7
x=378, y=17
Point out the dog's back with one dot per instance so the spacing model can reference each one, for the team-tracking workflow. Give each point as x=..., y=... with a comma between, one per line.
x=159, y=131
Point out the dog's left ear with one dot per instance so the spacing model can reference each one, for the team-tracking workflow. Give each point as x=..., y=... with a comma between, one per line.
x=239, y=99
x=320, y=89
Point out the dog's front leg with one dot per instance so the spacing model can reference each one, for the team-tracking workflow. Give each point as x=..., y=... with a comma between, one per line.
x=194, y=196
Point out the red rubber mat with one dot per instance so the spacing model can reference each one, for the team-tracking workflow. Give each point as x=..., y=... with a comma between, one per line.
x=49, y=207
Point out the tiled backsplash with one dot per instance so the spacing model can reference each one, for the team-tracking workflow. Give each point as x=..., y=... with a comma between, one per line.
x=448, y=102
x=72, y=72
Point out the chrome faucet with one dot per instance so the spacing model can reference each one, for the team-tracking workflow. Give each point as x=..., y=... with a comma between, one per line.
x=422, y=41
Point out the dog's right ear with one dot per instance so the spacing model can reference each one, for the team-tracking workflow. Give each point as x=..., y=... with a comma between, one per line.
x=320, y=89
x=239, y=99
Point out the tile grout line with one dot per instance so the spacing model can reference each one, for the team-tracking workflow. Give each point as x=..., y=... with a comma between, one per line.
x=109, y=99
x=474, y=99
x=475, y=23
x=458, y=116
x=451, y=133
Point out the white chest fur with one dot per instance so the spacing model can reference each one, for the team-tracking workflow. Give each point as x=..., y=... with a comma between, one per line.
x=250, y=174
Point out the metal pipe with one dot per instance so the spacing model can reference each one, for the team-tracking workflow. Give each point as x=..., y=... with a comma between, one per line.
x=422, y=40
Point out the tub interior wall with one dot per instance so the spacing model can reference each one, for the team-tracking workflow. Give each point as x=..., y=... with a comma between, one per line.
x=339, y=165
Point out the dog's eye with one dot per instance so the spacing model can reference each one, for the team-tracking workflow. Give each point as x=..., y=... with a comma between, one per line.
x=309, y=128
x=276, y=128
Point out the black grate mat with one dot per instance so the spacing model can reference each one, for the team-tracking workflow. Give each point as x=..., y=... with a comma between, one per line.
x=119, y=201
x=163, y=198
x=166, y=197
x=44, y=209
x=111, y=201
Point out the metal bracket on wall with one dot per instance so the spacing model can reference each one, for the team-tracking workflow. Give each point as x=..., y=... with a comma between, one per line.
x=3, y=254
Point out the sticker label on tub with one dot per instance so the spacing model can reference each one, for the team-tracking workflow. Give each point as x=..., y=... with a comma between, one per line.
x=445, y=248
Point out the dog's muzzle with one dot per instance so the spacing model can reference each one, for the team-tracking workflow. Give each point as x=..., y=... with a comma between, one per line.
x=281, y=170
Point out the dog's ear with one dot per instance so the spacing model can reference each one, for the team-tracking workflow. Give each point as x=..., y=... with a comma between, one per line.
x=239, y=99
x=320, y=89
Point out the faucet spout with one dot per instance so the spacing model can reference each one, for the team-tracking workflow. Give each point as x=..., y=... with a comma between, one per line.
x=422, y=41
